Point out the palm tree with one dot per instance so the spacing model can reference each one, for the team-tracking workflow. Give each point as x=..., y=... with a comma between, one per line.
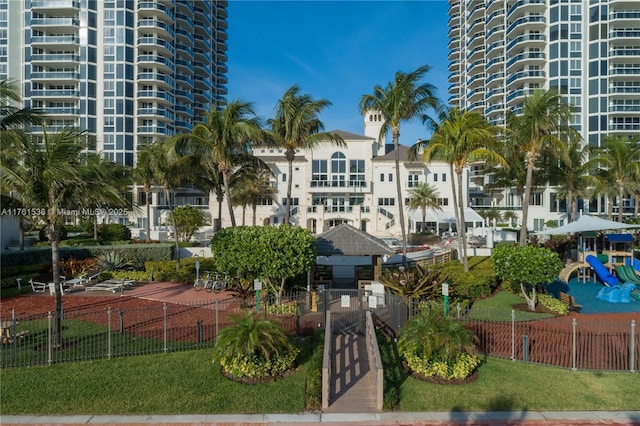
x=256, y=341
x=145, y=175
x=11, y=116
x=222, y=141
x=539, y=128
x=170, y=170
x=462, y=138
x=423, y=196
x=403, y=99
x=296, y=126
x=574, y=179
x=50, y=179
x=621, y=158
x=251, y=188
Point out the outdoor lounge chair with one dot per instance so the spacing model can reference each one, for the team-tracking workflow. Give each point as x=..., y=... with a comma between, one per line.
x=112, y=285
x=52, y=289
x=37, y=286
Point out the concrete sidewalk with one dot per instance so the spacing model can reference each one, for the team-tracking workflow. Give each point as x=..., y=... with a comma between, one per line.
x=477, y=418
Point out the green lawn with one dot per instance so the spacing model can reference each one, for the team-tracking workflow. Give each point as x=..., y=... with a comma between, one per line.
x=498, y=308
x=189, y=383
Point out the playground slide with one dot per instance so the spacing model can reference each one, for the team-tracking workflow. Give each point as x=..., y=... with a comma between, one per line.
x=635, y=264
x=601, y=271
x=627, y=274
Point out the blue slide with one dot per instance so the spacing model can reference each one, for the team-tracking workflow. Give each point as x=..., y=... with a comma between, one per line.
x=635, y=263
x=601, y=271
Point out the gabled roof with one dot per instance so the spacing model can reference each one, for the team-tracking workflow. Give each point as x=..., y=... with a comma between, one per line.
x=352, y=136
x=346, y=240
x=404, y=156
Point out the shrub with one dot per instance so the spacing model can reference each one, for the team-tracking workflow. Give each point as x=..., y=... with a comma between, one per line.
x=255, y=348
x=553, y=304
x=435, y=345
x=166, y=270
x=480, y=281
x=112, y=261
x=114, y=232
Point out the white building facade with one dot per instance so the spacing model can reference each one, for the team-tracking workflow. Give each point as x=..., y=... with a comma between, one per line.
x=502, y=50
x=353, y=184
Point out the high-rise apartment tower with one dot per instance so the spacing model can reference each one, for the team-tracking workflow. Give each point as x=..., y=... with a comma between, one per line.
x=127, y=71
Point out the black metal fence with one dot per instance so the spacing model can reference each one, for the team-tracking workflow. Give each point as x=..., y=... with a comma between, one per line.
x=580, y=342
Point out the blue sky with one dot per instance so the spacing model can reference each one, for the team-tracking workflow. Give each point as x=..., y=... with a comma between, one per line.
x=336, y=50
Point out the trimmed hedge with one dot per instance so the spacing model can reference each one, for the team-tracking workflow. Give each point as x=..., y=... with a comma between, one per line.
x=136, y=253
x=166, y=270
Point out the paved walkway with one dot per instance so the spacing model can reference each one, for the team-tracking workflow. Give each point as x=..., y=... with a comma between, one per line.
x=475, y=418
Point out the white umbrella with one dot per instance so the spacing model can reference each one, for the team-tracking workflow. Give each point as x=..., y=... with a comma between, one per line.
x=587, y=223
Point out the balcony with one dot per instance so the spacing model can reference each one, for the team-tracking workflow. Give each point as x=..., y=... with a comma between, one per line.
x=67, y=93
x=533, y=56
x=52, y=58
x=527, y=22
x=154, y=9
x=341, y=185
x=534, y=38
x=55, y=22
x=59, y=5
x=159, y=61
x=62, y=75
x=528, y=75
x=151, y=77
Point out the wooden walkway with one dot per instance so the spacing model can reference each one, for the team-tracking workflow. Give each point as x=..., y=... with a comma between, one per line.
x=351, y=386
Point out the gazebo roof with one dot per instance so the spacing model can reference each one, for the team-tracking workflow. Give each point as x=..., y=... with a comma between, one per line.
x=346, y=240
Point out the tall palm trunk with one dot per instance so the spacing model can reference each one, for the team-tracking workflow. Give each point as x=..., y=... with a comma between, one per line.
x=620, y=197
x=287, y=207
x=636, y=207
x=219, y=199
x=147, y=193
x=525, y=201
x=21, y=232
x=610, y=207
x=454, y=194
x=225, y=181
x=253, y=219
x=54, y=233
x=396, y=150
x=462, y=230
x=167, y=192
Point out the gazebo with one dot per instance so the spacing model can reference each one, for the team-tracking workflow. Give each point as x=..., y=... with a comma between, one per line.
x=346, y=256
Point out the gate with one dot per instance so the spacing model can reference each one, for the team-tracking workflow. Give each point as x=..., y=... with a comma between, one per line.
x=348, y=309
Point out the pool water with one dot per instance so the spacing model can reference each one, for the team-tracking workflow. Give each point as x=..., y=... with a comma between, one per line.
x=585, y=294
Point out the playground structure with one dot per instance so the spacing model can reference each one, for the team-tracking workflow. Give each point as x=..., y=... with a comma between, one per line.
x=610, y=257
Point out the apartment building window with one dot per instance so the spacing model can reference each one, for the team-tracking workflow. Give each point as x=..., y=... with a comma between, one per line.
x=443, y=201
x=444, y=177
x=265, y=202
x=413, y=180
x=356, y=172
x=390, y=177
x=142, y=198
x=338, y=167
x=386, y=201
x=536, y=199
x=435, y=177
x=294, y=201
x=381, y=177
x=284, y=177
x=356, y=200
x=319, y=170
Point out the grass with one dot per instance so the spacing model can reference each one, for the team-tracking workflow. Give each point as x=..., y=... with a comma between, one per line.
x=190, y=383
x=175, y=383
x=498, y=308
x=504, y=385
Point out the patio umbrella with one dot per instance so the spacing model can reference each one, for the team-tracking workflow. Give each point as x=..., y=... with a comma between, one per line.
x=587, y=223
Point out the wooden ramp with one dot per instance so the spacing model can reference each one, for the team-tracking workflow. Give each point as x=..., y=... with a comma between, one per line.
x=565, y=274
x=351, y=386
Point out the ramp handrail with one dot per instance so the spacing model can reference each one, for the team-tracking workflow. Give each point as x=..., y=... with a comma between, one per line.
x=326, y=362
x=375, y=361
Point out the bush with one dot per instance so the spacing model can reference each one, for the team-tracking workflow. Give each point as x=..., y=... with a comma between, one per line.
x=112, y=261
x=553, y=304
x=460, y=367
x=166, y=270
x=114, y=232
x=480, y=281
x=254, y=348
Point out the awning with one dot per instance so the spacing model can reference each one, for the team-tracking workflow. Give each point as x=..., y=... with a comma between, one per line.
x=587, y=223
x=446, y=215
x=620, y=238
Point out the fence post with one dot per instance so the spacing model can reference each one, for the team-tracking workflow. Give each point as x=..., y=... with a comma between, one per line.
x=513, y=335
x=632, y=347
x=574, y=323
x=164, y=327
x=49, y=339
x=217, y=325
x=525, y=348
x=13, y=333
x=109, y=352
x=121, y=314
x=199, y=326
